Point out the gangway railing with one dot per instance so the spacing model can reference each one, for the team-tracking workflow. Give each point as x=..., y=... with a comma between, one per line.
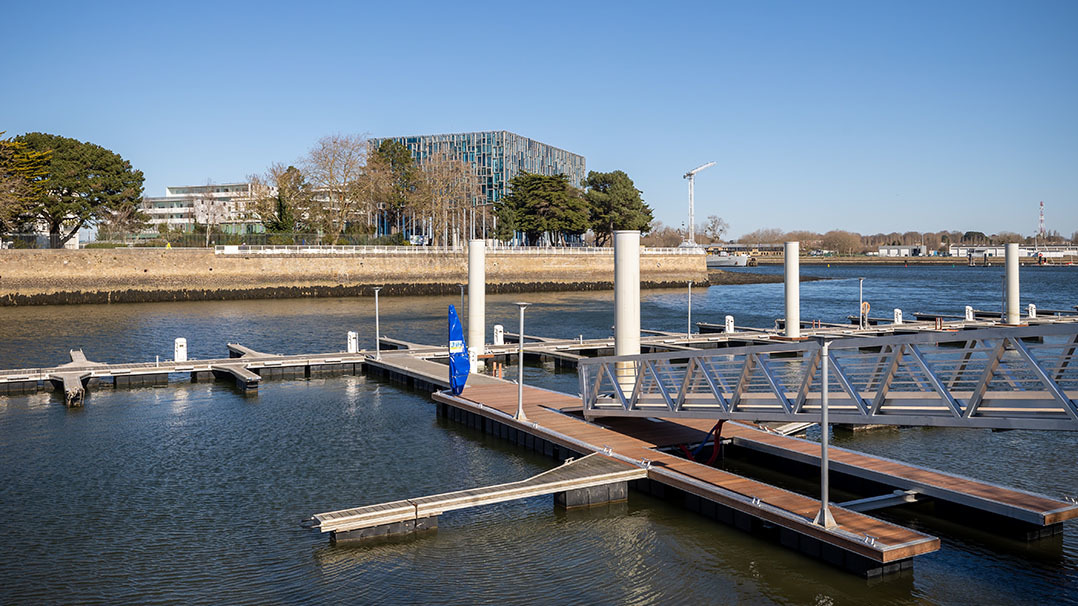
x=999, y=377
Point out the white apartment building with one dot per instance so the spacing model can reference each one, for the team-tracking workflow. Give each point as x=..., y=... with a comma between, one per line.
x=1050, y=251
x=223, y=205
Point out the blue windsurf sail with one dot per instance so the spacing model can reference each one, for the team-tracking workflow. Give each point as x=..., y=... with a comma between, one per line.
x=459, y=366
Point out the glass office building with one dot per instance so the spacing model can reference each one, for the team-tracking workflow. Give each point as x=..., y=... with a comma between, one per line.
x=495, y=156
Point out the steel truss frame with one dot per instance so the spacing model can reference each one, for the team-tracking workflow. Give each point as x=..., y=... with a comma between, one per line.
x=1000, y=377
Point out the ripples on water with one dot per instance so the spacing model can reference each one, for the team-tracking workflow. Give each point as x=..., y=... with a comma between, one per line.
x=192, y=493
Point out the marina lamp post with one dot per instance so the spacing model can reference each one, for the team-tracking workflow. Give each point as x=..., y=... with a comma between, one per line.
x=824, y=518
x=688, y=319
x=377, y=329
x=861, y=315
x=520, y=416
x=461, y=298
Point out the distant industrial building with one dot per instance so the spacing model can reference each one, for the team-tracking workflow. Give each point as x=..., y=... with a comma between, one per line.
x=223, y=205
x=495, y=156
x=1049, y=251
x=904, y=250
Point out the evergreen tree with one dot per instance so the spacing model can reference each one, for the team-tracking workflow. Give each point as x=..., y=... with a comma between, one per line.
x=85, y=184
x=614, y=203
x=541, y=204
x=23, y=173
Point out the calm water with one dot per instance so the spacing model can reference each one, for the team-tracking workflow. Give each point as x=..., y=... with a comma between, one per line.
x=192, y=493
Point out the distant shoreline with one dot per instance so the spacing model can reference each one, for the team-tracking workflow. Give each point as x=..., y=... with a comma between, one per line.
x=956, y=261
x=718, y=277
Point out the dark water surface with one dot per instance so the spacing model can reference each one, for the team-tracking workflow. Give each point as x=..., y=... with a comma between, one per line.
x=192, y=493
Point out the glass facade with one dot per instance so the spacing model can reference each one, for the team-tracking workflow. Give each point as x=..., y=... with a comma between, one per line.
x=495, y=157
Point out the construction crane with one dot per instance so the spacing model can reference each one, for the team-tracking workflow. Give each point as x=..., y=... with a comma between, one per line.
x=691, y=176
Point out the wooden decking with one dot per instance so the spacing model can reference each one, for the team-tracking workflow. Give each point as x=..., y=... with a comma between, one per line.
x=857, y=533
x=587, y=472
x=1024, y=506
x=1007, y=502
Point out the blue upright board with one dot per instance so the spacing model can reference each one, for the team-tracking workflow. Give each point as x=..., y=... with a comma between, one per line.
x=459, y=366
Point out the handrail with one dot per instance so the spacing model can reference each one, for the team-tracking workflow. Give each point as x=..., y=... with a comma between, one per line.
x=996, y=377
x=436, y=250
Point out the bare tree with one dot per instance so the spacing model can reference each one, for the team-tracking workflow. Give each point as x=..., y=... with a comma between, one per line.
x=449, y=190
x=715, y=228
x=660, y=235
x=336, y=169
x=127, y=220
x=210, y=210
x=806, y=238
x=281, y=198
x=841, y=241
x=768, y=235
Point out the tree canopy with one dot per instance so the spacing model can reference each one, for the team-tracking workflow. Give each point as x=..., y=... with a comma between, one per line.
x=85, y=184
x=541, y=204
x=282, y=198
x=22, y=176
x=397, y=179
x=614, y=203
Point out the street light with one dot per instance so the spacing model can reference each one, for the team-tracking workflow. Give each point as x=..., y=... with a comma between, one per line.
x=520, y=416
x=377, y=329
x=824, y=518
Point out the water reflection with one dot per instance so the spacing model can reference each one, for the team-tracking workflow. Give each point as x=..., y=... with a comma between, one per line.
x=192, y=493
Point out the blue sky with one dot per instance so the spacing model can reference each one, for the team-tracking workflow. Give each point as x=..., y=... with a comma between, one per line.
x=868, y=116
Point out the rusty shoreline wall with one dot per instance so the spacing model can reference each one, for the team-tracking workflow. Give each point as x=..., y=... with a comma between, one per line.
x=47, y=277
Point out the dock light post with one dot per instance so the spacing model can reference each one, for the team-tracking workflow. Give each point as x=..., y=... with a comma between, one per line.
x=861, y=303
x=461, y=298
x=377, y=329
x=688, y=320
x=520, y=416
x=824, y=518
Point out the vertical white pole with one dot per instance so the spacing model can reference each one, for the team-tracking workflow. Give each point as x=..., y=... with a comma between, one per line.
x=824, y=518
x=688, y=320
x=1013, y=298
x=692, y=227
x=520, y=416
x=793, y=290
x=861, y=303
x=477, y=298
x=626, y=303
x=377, y=327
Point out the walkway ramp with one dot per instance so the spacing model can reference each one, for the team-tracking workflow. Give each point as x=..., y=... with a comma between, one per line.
x=419, y=373
x=588, y=472
x=1000, y=378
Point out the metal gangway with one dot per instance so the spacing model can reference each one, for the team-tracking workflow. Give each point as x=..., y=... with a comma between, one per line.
x=999, y=377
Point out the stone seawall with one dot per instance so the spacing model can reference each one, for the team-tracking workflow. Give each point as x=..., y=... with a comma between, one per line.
x=36, y=277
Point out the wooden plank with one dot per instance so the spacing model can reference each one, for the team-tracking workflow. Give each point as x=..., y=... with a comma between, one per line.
x=891, y=542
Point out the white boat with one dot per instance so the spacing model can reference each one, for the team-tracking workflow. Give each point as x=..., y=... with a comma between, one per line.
x=727, y=260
